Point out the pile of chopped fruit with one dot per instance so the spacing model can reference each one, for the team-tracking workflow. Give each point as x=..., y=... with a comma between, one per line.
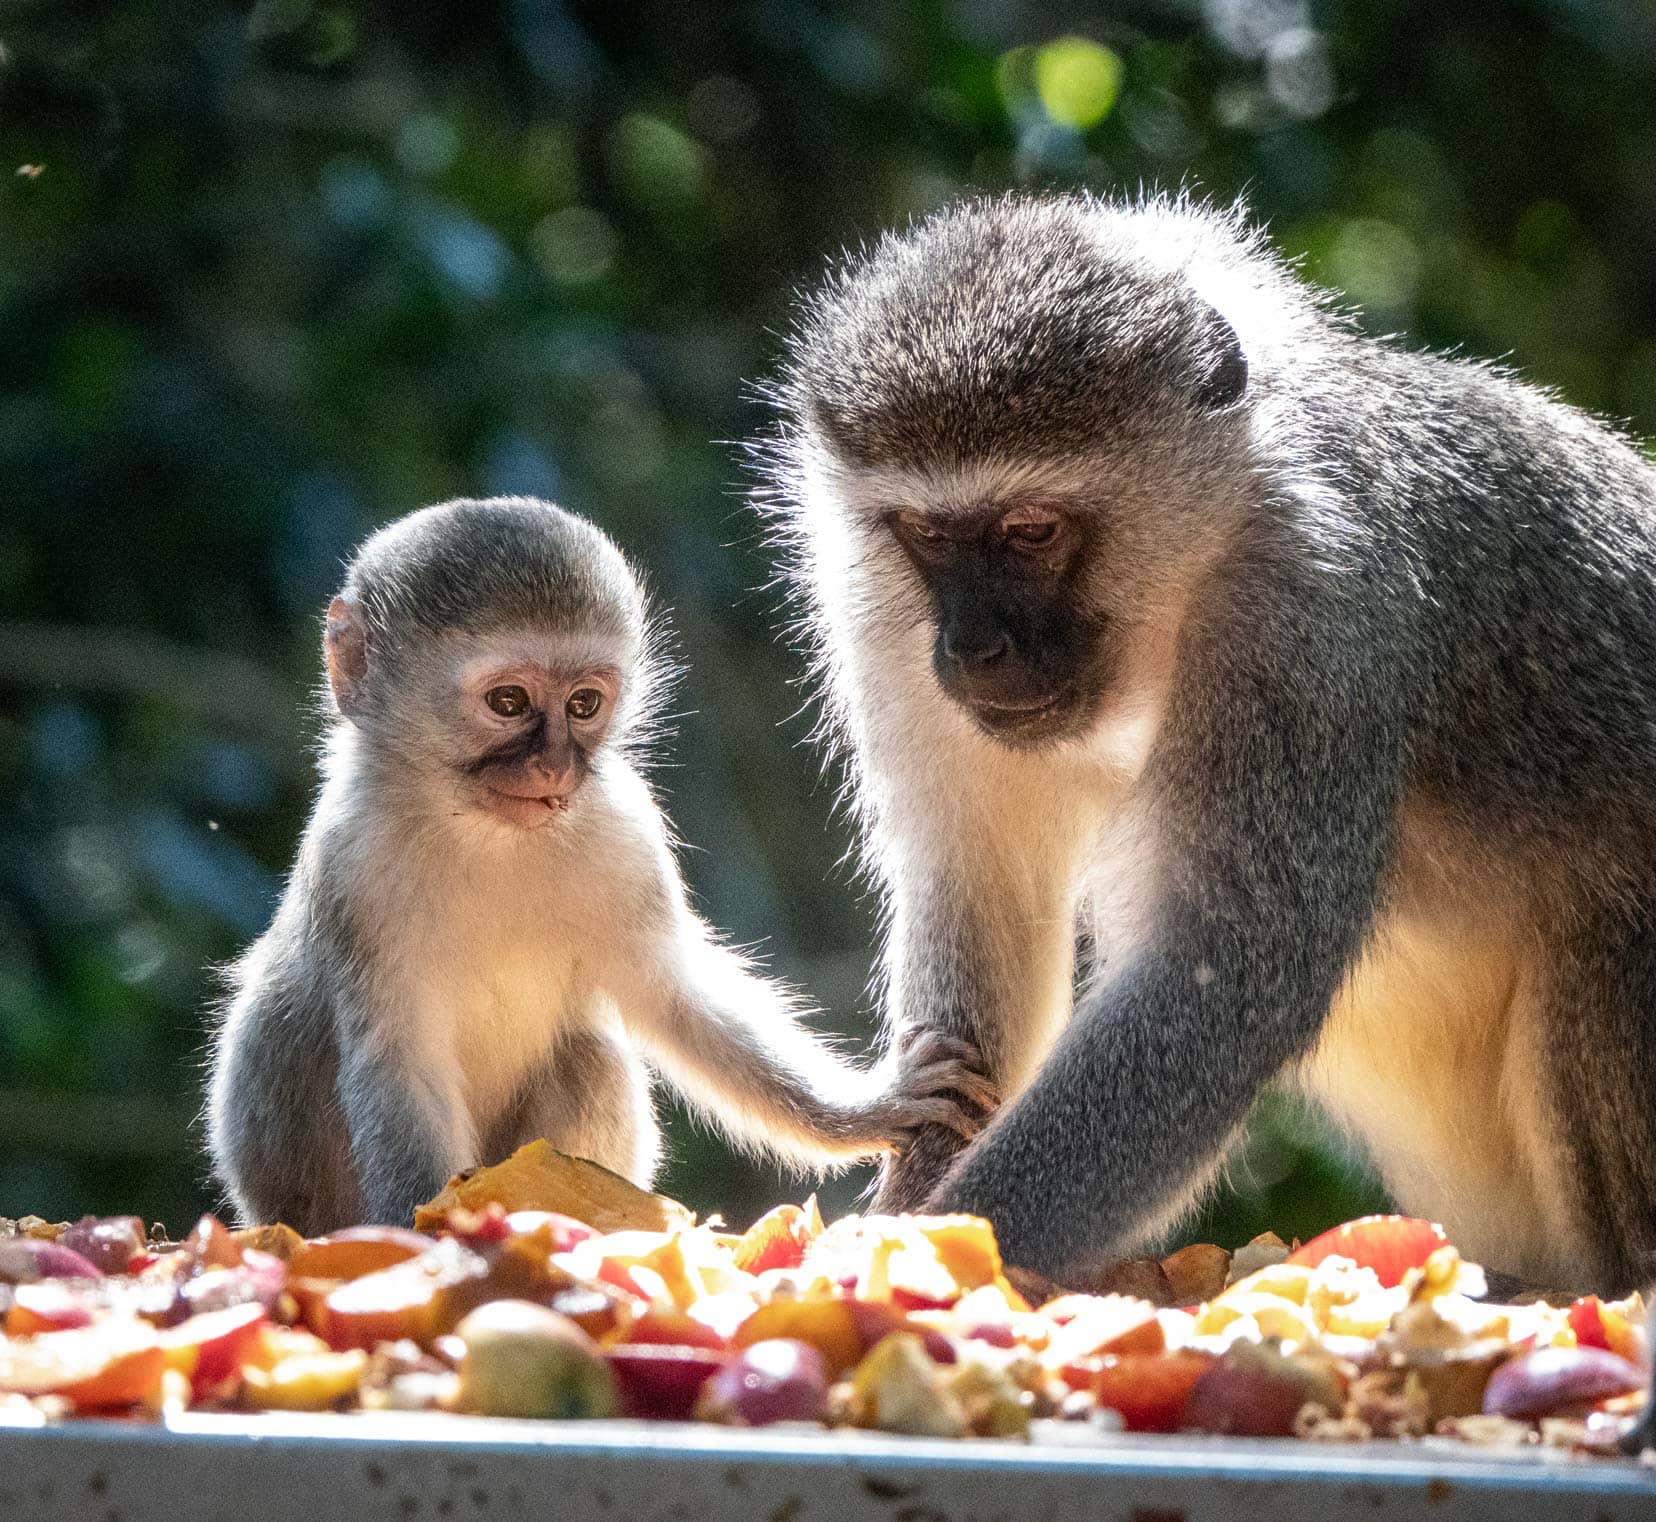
x=545, y=1287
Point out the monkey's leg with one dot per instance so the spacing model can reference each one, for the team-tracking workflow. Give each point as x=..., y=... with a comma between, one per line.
x=1600, y=1052
x=275, y=1129
x=591, y=1100
x=1272, y=823
x=1601, y=1048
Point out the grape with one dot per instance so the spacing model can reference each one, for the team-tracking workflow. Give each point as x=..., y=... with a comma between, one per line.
x=778, y=1380
x=1551, y=1379
x=23, y=1260
x=107, y=1242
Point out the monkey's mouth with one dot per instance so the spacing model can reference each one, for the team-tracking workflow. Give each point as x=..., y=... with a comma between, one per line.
x=527, y=812
x=1003, y=718
x=1025, y=726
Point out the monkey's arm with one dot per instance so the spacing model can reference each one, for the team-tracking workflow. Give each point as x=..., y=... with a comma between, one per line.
x=409, y=1129
x=735, y=1042
x=981, y=948
x=1274, y=793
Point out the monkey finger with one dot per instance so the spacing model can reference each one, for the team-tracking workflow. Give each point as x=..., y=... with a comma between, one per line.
x=912, y=1036
x=935, y=1110
x=926, y=1045
x=949, y=1077
x=971, y=1091
x=963, y=1123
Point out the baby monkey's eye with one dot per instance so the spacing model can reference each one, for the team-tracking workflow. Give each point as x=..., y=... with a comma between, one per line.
x=584, y=703
x=509, y=702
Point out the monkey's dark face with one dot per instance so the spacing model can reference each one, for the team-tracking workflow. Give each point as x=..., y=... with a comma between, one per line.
x=530, y=732
x=1014, y=645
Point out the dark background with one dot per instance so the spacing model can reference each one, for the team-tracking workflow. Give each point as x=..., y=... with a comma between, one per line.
x=271, y=275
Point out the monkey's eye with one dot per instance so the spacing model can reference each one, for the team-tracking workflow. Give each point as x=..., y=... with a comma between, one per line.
x=1030, y=533
x=509, y=702
x=918, y=526
x=584, y=703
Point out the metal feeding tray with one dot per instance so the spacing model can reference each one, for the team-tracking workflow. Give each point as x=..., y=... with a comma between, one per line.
x=279, y=1468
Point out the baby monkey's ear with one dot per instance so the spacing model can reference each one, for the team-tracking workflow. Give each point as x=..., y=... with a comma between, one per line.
x=1225, y=375
x=345, y=643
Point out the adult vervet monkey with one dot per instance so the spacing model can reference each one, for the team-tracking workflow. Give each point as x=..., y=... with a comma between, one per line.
x=1306, y=681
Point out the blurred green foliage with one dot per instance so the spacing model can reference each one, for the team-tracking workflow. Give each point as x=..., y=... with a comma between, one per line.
x=271, y=275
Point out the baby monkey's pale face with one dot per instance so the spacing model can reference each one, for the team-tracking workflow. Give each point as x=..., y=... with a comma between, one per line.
x=530, y=724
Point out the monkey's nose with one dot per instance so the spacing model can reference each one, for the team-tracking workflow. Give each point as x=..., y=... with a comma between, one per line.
x=976, y=649
x=554, y=791
x=555, y=784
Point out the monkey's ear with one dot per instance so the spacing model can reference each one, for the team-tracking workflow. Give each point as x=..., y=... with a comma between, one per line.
x=1226, y=379
x=345, y=643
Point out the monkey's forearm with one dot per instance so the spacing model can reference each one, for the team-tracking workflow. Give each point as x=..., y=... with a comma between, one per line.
x=1158, y=1068
x=939, y=984
x=1000, y=981
x=1138, y=1099
x=739, y=1050
x=733, y=1041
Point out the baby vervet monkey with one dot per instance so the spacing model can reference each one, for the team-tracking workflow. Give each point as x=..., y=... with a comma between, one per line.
x=1296, y=690
x=486, y=937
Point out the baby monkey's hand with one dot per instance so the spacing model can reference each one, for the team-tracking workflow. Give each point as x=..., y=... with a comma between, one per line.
x=940, y=1080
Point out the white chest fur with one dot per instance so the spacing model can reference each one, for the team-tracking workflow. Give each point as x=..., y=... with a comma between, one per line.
x=491, y=980
x=501, y=942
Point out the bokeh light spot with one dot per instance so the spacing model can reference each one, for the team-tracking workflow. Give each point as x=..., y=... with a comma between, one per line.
x=1298, y=72
x=574, y=246
x=1246, y=27
x=469, y=255
x=1375, y=263
x=653, y=162
x=1078, y=81
x=1015, y=76
x=331, y=37
x=548, y=164
x=354, y=193
x=426, y=145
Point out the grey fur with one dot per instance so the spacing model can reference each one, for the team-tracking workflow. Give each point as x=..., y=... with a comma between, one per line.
x=984, y=330
x=480, y=565
x=1423, y=591
x=276, y=1106
x=594, y=1095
